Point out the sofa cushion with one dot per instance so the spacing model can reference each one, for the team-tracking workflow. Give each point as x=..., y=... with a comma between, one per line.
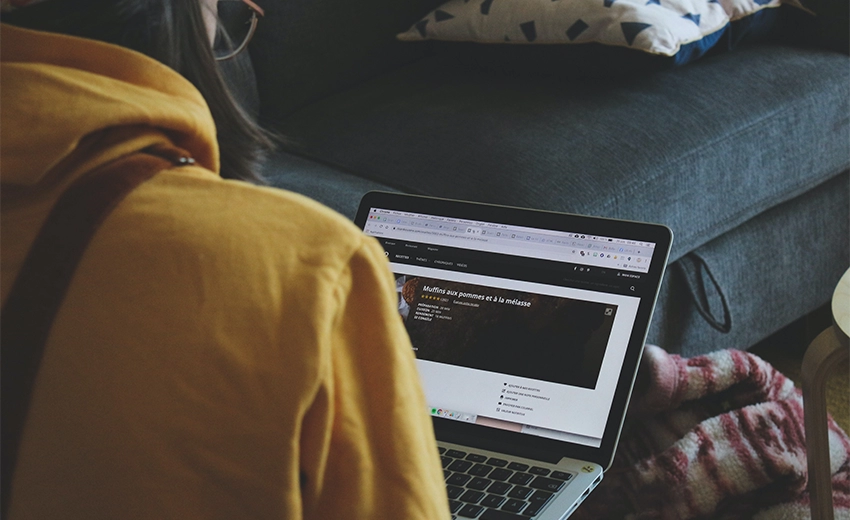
x=702, y=148
x=330, y=186
x=682, y=30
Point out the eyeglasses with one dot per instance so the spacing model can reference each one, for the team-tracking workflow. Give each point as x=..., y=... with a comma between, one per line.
x=237, y=24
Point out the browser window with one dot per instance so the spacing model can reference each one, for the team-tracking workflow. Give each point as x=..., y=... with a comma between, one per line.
x=485, y=302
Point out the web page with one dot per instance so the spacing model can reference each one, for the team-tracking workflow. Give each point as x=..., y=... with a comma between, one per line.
x=514, y=341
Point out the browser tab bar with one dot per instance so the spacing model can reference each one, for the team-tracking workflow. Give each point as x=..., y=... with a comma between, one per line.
x=544, y=244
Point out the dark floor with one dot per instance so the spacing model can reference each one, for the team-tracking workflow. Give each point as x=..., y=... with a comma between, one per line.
x=785, y=349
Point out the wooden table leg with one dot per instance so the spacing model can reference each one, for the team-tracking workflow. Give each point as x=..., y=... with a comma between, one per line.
x=824, y=353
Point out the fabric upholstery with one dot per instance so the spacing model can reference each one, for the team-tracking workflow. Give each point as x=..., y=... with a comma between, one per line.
x=725, y=150
x=807, y=236
x=702, y=149
x=773, y=269
x=334, y=188
x=303, y=51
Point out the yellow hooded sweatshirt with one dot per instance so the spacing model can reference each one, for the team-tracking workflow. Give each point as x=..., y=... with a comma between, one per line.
x=224, y=350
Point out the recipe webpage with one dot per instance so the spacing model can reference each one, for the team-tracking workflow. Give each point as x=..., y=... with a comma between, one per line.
x=522, y=344
x=544, y=359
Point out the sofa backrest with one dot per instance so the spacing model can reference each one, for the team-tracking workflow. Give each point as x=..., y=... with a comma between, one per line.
x=305, y=50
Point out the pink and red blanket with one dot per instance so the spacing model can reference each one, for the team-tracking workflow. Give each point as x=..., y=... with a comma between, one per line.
x=719, y=436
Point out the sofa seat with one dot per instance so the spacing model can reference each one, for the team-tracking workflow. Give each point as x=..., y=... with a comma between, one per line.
x=745, y=155
x=330, y=185
x=702, y=148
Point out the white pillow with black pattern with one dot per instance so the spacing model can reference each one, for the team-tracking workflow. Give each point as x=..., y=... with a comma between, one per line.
x=662, y=27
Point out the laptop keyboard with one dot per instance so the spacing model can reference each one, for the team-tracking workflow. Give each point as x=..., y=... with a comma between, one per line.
x=490, y=488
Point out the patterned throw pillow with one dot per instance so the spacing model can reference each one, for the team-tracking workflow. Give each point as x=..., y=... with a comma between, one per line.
x=681, y=29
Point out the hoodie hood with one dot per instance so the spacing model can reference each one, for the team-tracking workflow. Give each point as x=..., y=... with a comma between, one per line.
x=62, y=93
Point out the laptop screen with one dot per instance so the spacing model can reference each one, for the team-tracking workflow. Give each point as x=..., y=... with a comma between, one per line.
x=516, y=327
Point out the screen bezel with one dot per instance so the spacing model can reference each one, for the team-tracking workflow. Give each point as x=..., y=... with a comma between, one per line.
x=523, y=444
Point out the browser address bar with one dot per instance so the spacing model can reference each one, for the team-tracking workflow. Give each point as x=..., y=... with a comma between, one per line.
x=440, y=234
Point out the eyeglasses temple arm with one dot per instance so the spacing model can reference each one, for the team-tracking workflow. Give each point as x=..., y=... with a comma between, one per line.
x=255, y=7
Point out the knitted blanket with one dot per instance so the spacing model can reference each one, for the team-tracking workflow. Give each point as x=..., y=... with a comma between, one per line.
x=719, y=436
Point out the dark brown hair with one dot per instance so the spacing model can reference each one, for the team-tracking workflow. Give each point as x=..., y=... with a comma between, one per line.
x=171, y=32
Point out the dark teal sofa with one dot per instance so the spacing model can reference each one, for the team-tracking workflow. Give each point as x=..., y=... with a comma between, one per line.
x=744, y=154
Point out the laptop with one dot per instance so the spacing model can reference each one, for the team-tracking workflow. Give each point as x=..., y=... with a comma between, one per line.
x=528, y=327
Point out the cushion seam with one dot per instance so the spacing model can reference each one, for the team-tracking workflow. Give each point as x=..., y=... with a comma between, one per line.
x=799, y=190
